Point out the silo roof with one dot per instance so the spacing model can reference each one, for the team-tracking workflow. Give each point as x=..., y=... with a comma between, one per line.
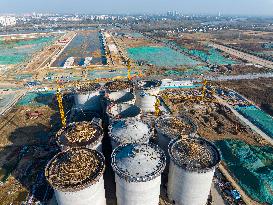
x=123, y=110
x=117, y=85
x=79, y=134
x=75, y=169
x=138, y=162
x=194, y=154
x=173, y=126
x=130, y=131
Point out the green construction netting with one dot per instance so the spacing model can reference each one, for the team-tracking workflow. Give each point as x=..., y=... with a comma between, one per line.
x=160, y=56
x=258, y=117
x=18, y=51
x=94, y=74
x=252, y=166
x=212, y=57
x=36, y=99
x=23, y=76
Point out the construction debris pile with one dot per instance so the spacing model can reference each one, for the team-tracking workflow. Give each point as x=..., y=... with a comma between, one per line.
x=87, y=87
x=118, y=85
x=79, y=133
x=74, y=169
x=176, y=125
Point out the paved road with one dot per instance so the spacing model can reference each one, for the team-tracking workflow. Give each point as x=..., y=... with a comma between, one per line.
x=248, y=76
x=242, y=55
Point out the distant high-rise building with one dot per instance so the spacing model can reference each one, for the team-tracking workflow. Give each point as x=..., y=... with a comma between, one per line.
x=7, y=20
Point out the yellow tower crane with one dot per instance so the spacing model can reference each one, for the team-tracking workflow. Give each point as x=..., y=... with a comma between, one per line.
x=60, y=104
x=129, y=66
x=157, y=105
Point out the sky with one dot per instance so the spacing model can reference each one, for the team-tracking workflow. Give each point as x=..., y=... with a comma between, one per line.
x=226, y=7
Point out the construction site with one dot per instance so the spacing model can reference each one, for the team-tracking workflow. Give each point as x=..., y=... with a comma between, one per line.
x=122, y=117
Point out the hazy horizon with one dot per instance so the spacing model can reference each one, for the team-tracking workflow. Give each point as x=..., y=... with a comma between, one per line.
x=212, y=7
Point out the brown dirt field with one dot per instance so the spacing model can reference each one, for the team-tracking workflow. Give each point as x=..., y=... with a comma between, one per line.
x=134, y=42
x=259, y=91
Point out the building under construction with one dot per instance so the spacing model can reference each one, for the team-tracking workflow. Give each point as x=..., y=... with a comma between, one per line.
x=76, y=176
x=80, y=134
x=136, y=162
x=192, y=166
x=138, y=169
x=172, y=127
x=129, y=130
x=87, y=97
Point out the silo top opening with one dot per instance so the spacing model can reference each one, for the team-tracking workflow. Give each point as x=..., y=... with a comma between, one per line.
x=75, y=169
x=138, y=162
x=175, y=125
x=117, y=85
x=148, y=84
x=194, y=154
x=83, y=88
x=130, y=131
x=79, y=134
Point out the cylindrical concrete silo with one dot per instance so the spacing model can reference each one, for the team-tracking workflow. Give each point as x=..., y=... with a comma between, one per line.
x=146, y=92
x=87, y=97
x=120, y=91
x=123, y=110
x=76, y=176
x=130, y=130
x=81, y=134
x=170, y=127
x=138, y=169
x=192, y=166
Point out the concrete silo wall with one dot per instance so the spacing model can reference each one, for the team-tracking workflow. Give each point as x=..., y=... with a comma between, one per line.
x=137, y=193
x=94, y=194
x=187, y=187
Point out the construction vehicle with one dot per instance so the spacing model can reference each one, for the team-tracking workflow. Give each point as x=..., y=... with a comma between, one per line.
x=129, y=69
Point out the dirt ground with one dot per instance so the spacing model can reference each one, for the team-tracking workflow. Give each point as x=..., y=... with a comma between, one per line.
x=215, y=122
x=259, y=91
x=127, y=42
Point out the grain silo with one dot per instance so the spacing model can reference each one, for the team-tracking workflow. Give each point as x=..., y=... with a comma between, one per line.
x=81, y=134
x=123, y=110
x=76, y=176
x=192, y=166
x=146, y=92
x=87, y=97
x=130, y=130
x=170, y=127
x=138, y=169
x=119, y=91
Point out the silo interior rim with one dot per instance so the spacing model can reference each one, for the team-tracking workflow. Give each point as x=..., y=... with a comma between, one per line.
x=85, y=183
x=65, y=130
x=107, y=85
x=131, y=178
x=202, y=141
x=84, y=89
x=182, y=117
